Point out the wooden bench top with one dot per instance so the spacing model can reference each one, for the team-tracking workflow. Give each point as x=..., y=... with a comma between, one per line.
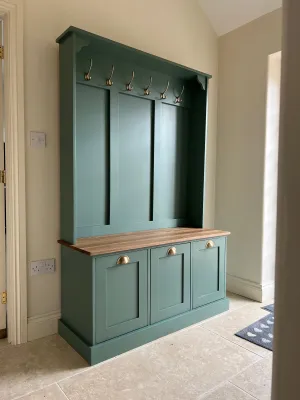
x=99, y=245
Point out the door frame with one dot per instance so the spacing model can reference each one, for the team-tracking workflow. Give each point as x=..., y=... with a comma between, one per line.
x=16, y=259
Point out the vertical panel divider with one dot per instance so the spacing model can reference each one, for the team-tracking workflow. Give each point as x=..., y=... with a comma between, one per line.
x=156, y=158
x=151, y=208
x=114, y=156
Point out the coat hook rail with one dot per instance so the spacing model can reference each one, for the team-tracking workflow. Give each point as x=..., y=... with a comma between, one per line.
x=178, y=99
x=87, y=75
x=109, y=81
x=129, y=86
x=163, y=94
x=147, y=89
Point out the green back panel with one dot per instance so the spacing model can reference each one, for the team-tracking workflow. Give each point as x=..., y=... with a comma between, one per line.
x=170, y=282
x=197, y=156
x=135, y=147
x=208, y=272
x=92, y=156
x=67, y=71
x=172, y=163
x=129, y=161
x=121, y=295
x=77, y=300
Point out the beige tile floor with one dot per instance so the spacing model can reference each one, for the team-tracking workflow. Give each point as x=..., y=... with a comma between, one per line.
x=203, y=362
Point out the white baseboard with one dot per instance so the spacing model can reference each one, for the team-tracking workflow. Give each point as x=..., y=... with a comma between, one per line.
x=43, y=325
x=251, y=290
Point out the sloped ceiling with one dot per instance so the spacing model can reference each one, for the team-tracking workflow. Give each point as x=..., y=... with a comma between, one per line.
x=227, y=15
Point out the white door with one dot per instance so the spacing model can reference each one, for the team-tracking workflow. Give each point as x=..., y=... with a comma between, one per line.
x=2, y=209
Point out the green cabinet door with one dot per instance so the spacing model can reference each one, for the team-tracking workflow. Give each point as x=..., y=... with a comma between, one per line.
x=120, y=294
x=208, y=271
x=170, y=281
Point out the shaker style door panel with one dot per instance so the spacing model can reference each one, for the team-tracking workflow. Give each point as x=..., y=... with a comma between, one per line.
x=170, y=281
x=208, y=271
x=120, y=294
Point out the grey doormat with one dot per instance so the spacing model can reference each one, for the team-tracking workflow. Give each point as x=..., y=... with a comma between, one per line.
x=270, y=308
x=260, y=333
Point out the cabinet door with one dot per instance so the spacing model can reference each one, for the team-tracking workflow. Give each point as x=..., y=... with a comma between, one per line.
x=170, y=281
x=208, y=271
x=120, y=294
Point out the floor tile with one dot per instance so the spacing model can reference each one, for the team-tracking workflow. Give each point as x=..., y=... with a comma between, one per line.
x=181, y=366
x=52, y=392
x=236, y=301
x=226, y=325
x=257, y=379
x=227, y=392
x=36, y=364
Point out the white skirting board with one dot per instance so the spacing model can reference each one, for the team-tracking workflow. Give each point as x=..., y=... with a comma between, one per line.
x=43, y=325
x=249, y=289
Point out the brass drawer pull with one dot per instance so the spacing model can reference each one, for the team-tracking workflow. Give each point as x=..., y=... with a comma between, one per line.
x=172, y=251
x=210, y=244
x=123, y=260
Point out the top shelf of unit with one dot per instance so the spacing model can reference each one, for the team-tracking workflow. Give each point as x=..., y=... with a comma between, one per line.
x=99, y=245
x=137, y=57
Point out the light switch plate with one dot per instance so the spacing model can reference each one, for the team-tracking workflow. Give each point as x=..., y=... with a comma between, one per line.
x=37, y=139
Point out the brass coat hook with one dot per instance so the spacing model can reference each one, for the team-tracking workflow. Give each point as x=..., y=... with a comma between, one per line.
x=178, y=99
x=87, y=75
x=146, y=90
x=129, y=86
x=163, y=94
x=109, y=81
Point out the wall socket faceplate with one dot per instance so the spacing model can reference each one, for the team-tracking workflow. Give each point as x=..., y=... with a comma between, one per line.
x=42, y=267
x=37, y=139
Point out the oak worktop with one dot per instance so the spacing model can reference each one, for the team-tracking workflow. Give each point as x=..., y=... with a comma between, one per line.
x=99, y=245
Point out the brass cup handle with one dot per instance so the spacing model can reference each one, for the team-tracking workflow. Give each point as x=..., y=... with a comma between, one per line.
x=172, y=251
x=210, y=244
x=123, y=260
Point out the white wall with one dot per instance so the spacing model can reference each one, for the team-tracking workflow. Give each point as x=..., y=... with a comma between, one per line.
x=173, y=29
x=243, y=72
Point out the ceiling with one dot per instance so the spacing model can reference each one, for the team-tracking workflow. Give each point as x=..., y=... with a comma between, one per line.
x=227, y=15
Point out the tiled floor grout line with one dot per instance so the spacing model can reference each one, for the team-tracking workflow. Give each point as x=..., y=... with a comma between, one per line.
x=60, y=389
x=34, y=391
x=227, y=380
x=249, y=394
x=239, y=345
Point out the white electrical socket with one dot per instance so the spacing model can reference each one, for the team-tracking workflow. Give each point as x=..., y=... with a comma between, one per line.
x=42, y=267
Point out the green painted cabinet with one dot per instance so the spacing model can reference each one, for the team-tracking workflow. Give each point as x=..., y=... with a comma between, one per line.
x=120, y=294
x=170, y=281
x=208, y=271
x=133, y=134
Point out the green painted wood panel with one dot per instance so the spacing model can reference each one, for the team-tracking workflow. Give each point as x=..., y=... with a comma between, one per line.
x=67, y=71
x=197, y=155
x=208, y=271
x=121, y=295
x=170, y=282
x=92, y=156
x=77, y=299
x=135, y=148
x=172, y=163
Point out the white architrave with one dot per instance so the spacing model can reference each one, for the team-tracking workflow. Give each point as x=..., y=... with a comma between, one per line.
x=12, y=13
